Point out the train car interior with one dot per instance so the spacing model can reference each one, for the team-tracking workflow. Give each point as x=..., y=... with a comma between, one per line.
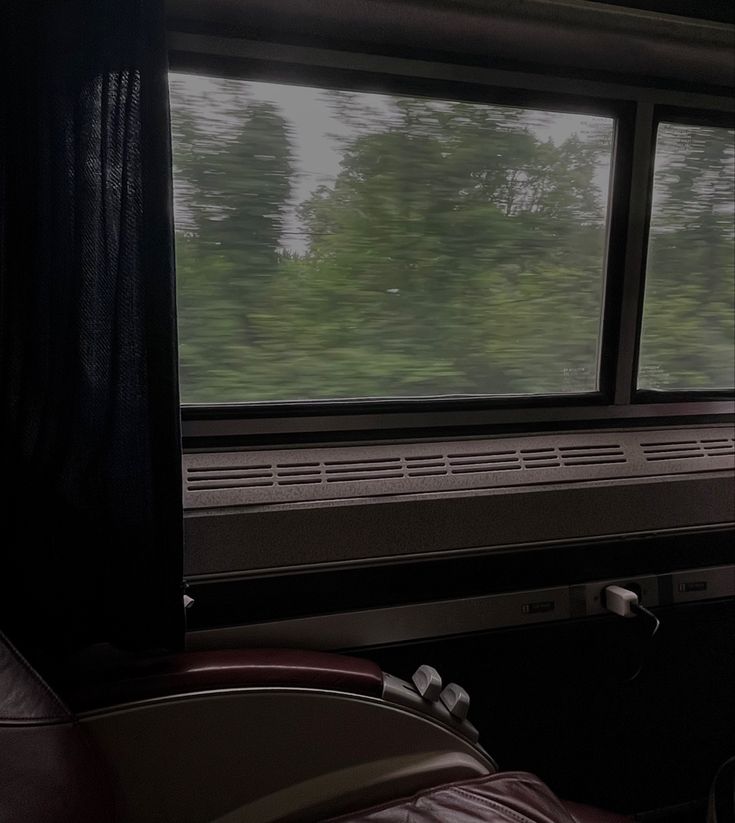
x=367, y=375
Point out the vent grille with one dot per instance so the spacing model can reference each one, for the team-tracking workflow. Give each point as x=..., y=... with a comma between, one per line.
x=310, y=474
x=247, y=476
x=656, y=450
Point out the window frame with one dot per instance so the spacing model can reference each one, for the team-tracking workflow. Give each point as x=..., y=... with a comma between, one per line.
x=636, y=111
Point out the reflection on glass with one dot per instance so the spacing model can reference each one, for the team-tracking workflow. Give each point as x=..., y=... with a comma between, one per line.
x=688, y=335
x=336, y=244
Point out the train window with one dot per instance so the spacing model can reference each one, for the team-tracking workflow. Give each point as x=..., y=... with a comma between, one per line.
x=688, y=339
x=343, y=244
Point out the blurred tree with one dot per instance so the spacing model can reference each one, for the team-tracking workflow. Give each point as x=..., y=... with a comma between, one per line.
x=454, y=251
x=448, y=238
x=233, y=174
x=688, y=338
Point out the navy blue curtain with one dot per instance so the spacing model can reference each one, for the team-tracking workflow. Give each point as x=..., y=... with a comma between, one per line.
x=91, y=519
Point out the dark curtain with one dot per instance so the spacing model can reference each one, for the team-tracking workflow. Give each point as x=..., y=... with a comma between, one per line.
x=91, y=529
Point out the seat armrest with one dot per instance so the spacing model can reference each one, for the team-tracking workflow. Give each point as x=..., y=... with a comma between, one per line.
x=169, y=675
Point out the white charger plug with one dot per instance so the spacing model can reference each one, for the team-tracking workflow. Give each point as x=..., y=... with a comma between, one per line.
x=620, y=601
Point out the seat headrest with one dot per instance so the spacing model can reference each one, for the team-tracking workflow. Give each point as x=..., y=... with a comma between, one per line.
x=24, y=696
x=49, y=770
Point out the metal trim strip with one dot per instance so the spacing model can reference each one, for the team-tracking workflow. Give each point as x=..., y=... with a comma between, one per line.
x=378, y=627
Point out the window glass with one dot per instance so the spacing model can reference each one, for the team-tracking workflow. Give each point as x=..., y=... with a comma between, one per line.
x=335, y=244
x=688, y=336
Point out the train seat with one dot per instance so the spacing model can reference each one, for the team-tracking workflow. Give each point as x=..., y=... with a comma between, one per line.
x=251, y=735
x=505, y=797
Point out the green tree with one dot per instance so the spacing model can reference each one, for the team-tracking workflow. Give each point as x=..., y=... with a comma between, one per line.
x=455, y=250
x=688, y=339
x=233, y=171
x=445, y=241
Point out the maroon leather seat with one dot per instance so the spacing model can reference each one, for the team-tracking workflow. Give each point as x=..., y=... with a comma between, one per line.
x=50, y=771
x=140, y=679
x=506, y=797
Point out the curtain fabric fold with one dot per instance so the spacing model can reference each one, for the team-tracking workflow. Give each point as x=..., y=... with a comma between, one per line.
x=91, y=513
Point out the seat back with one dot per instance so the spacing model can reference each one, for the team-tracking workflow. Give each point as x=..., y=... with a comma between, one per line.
x=49, y=771
x=721, y=806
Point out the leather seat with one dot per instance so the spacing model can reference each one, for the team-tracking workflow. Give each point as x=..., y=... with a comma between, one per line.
x=52, y=772
x=507, y=797
x=721, y=802
x=49, y=771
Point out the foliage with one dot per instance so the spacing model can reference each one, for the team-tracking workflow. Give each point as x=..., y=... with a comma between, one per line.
x=688, y=339
x=456, y=250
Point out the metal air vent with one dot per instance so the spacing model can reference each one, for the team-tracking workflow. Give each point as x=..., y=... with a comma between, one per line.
x=656, y=450
x=247, y=476
x=601, y=455
x=244, y=478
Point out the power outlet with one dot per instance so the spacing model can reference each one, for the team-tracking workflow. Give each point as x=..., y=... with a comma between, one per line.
x=590, y=596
